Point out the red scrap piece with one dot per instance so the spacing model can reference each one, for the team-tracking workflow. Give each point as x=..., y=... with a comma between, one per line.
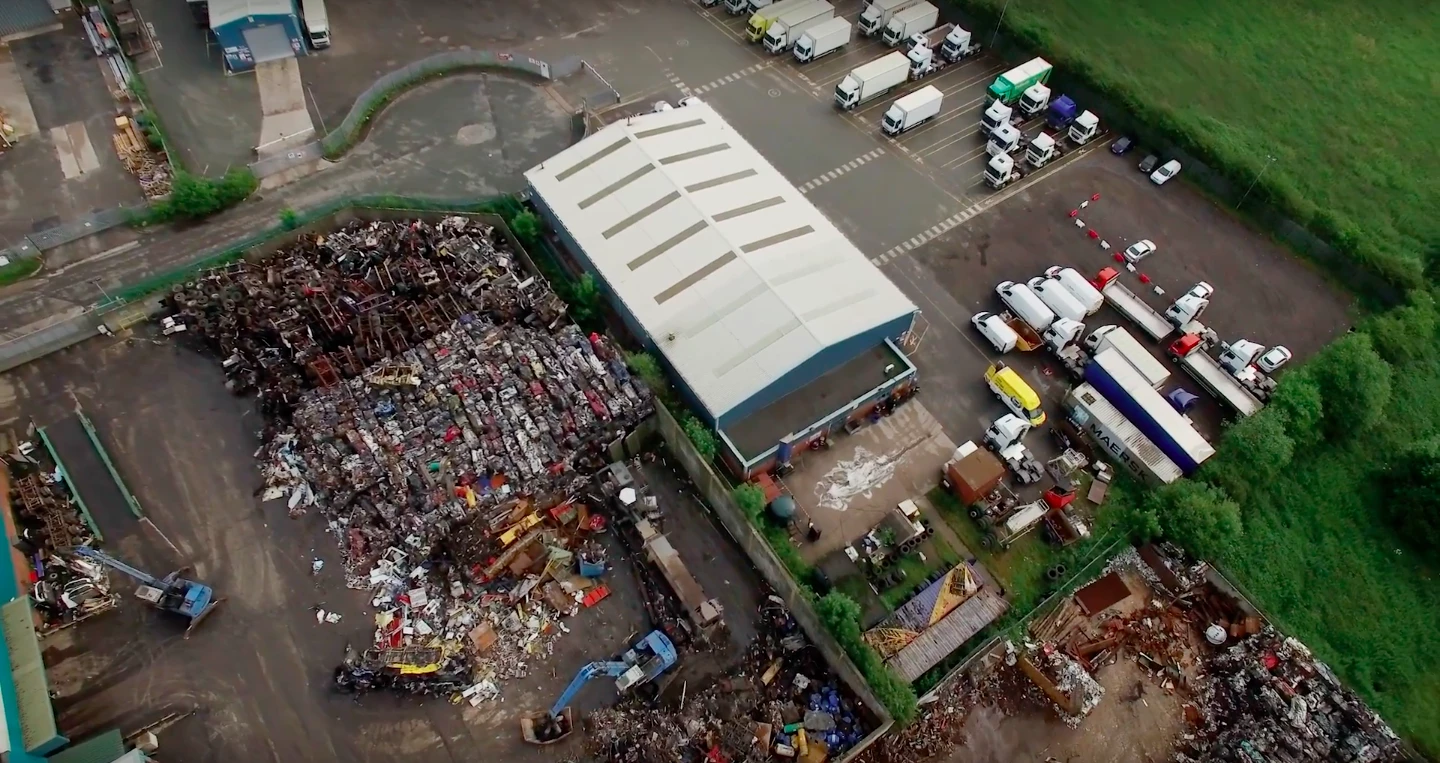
x=1270, y=661
x=452, y=433
x=596, y=595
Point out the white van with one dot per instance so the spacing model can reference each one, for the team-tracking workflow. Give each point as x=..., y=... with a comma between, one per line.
x=1024, y=303
x=1057, y=298
x=993, y=328
x=1079, y=287
x=317, y=23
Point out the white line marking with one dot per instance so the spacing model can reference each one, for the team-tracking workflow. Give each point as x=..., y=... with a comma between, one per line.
x=843, y=169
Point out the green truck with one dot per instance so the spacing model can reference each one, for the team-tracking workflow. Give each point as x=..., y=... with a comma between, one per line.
x=1008, y=87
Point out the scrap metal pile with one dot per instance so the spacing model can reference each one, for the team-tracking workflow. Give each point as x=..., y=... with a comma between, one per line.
x=421, y=392
x=1267, y=698
x=780, y=701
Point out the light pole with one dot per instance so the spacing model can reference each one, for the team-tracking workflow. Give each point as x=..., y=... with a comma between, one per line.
x=1269, y=160
x=993, y=37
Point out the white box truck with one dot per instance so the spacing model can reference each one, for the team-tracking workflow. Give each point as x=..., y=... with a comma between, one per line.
x=785, y=31
x=822, y=39
x=872, y=80
x=912, y=110
x=878, y=13
x=920, y=17
x=1118, y=339
x=1057, y=298
x=317, y=23
x=1079, y=287
x=1025, y=304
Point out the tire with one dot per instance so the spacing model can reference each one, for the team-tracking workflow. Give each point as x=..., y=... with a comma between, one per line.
x=988, y=540
x=975, y=512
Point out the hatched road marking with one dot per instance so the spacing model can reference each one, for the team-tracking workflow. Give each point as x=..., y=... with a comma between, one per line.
x=849, y=166
x=727, y=79
x=934, y=232
x=675, y=80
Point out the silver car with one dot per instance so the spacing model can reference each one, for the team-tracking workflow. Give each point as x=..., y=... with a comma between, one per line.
x=1139, y=251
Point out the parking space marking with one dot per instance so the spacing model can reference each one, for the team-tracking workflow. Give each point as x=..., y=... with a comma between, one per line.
x=849, y=166
x=733, y=76
x=934, y=232
x=679, y=85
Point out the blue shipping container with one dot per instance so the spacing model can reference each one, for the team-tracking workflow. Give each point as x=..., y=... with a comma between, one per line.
x=1128, y=391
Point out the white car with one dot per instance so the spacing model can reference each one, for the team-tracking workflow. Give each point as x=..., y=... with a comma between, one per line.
x=1166, y=171
x=1139, y=251
x=660, y=106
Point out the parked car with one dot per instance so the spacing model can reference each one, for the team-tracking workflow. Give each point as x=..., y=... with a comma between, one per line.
x=1139, y=251
x=1147, y=165
x=660, y=106
x=1167, y=170
x=1120, y=147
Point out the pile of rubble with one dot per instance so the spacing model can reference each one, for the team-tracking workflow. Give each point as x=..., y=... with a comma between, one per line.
x=1267, y=698
x=151, y=168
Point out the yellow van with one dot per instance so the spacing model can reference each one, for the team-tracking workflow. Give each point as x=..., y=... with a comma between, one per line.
x=1015, y=393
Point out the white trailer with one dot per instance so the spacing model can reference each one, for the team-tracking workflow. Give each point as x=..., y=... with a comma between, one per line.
x=1118, y=339
x=1057, y=298
x=1130, y=305
x=1191, y=355
x=785, y=31
x=1079, y=286
x=872, y=80
x=912, y=110
x=1108, y=428
x=823, y=39
x=878, y=13
x=920, y=17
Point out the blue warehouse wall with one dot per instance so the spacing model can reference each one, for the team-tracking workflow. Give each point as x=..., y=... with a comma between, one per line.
x=823, y=362
x=236, y=49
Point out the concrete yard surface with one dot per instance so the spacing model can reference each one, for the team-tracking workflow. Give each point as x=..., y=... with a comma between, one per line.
x=258, y=672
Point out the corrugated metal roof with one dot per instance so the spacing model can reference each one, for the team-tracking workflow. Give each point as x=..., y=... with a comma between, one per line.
x=223, y=12
x=736, y=275
x=18, y=16
x=32, y=690
x=939, y=640
x=107, y=747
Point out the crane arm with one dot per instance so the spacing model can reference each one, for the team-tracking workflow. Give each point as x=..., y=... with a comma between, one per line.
x=112, y=562
x=586, y=673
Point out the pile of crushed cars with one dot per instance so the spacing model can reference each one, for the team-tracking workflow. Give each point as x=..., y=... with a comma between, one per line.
x=780, y=701
x=424, y=394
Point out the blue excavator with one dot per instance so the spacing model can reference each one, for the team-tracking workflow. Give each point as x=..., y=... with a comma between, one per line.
x=172, y=593
x=640, y=664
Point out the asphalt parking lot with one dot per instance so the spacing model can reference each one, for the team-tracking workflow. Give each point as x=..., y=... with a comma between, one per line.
x=258, y=673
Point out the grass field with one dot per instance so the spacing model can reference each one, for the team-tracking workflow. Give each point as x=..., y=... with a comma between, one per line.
x=19, y=270
x=1341, y=94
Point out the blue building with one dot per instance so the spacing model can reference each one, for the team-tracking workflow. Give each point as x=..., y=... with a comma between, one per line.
x=775, y=328
x=252, y=32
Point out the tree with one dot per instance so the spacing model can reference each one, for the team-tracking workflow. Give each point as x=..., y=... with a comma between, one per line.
x=1254, y=450
x=192, y=196
x=1412, y=484
x=585, y=301
x=647, y=368
x=1298, y=403
x=700, y=436
x=1354, y=383
x=526, y=227
x=751, y=500
x=1198, y=516
x=1139, y=522
x=839, y=613
x=1404, y=333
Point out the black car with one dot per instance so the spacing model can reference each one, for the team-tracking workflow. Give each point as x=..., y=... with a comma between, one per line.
x=1147, y=165
x=1119, y=147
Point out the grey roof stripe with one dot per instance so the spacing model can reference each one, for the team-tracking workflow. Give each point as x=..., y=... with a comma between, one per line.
x=669, y=128
x=618, y=184
x=755, y=246
x=642, y=214
x=748, y=208
x=694, y=278
x=595, y=157
x=755, y=347
x=728, y=308
x=667, y=245
x=722, y=180
x=838, y=304
x=695, y=153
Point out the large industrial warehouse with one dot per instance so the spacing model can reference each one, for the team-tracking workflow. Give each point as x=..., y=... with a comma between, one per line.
x=774, y=326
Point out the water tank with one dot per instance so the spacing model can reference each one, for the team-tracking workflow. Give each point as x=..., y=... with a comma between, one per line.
x=783, y=508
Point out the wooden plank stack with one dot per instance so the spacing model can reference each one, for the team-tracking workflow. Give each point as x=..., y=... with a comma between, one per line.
x=151, y=169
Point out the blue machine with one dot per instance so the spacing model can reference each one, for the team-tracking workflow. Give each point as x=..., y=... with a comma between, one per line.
x=642, y=663
x=171, y=593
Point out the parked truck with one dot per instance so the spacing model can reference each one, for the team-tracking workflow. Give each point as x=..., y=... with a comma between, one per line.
x=1079, y=287
x=1063, y=339
x=1057, y=298
x=1118, y=339
x=872, y=80
x=924, y=52
x=822, y=39
x=1115, y=436
x=912, y=110
x=762, y=18
x=920, y=17
x=959, y=45
x=1007, y=438
x=1001, y=171
x=1031, y=104
x=1130, y=305
x=878, y=13
x=1084, y=128
x=1061, y=113
x=1042, y=150
x=1131, y=394
x=1191, y=355
x=972, y=474
x=785, y=31
x=1008, y=87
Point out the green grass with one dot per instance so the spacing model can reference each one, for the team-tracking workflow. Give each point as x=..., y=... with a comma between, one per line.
x=938, y=556
x=1019, y=569
x=19, y=270
x=1318, y=556
x=1342, y=94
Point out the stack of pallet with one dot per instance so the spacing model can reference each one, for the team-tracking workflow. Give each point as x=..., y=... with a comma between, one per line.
x=151, y=169
x=7, y=131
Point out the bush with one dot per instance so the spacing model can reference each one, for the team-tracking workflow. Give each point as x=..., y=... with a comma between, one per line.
x=194, y=197
x=1401, y=335
x=1299, y=404
x=526, y=227
x=1354, y=383
x=1254, y=451
x=700, y=436
x=289, y=219
x=751, y=500
x=1412, y=484
x=841, y=617
x=1200, y=517
x=18, y=270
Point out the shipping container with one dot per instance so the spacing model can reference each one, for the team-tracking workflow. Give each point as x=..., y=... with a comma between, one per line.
x=1116, y=337
x=1118, y=381
x=1116, y=436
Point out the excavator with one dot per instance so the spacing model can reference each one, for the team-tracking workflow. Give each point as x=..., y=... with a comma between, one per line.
x=642, y=663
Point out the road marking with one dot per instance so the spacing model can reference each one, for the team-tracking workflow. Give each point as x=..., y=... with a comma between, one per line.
x=849, y=166
x=679, y=85
x=934, y=232
x=727, y=79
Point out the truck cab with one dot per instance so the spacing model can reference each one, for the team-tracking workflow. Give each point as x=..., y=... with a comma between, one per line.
x=1085, y=127
x=1006, y=139
x=1041, y=150
x=922, y=61
x=1062, y=112
x=1063, y=333
x=1000, y=171
x=1034, y=100
x=996, y=114
x=1012, y=390
x=317, y=23
x=958, y=45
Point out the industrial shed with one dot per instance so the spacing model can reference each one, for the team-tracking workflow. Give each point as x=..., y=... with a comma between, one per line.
x=252, y=32
x=774, y=326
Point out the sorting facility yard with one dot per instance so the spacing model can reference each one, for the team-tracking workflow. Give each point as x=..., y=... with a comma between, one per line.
x=258, y=673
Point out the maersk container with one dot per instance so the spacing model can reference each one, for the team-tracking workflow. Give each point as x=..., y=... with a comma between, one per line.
x=1119, y=382
x=1103, y=423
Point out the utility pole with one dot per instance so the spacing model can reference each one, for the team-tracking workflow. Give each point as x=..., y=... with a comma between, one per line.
x=1269, y=160
x=995, y=36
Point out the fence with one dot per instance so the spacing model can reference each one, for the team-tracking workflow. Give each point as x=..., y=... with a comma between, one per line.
x=716, y=492
x=32, y=244
x=51, y=338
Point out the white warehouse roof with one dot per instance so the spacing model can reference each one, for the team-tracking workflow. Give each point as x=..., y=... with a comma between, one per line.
x=733, y=272
x=223, y=12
